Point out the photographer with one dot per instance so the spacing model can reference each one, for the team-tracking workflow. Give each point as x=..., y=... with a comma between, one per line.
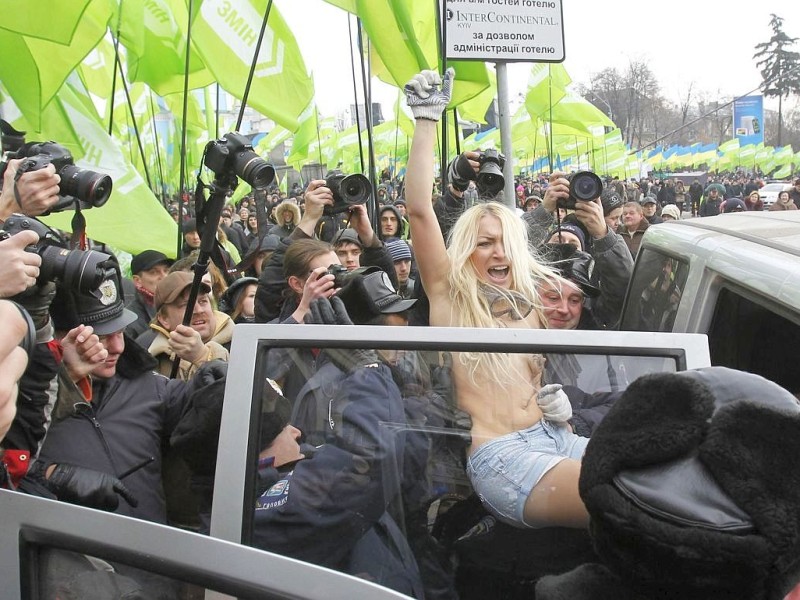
x=38, y=190
x=276, y=298
x=613, y=264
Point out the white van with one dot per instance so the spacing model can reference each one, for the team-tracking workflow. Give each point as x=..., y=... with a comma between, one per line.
x=734, y=277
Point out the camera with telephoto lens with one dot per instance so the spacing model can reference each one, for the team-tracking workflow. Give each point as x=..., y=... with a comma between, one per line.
x=79, y=270
x=347, y=190
x=90, y=188
x=234, y=154
x=584, y=186
x=490, y=180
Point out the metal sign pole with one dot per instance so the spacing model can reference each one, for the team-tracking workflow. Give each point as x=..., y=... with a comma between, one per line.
x=509, y=197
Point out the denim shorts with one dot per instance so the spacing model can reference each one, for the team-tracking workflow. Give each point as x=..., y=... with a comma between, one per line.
x=503, y=471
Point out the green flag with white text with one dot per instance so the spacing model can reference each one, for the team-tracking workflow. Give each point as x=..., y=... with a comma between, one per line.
x=225, y=33
x=132, y=219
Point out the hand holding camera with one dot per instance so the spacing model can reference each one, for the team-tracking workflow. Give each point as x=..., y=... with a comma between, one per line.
x=19, y=268
x=38, y=190
x=428, y=94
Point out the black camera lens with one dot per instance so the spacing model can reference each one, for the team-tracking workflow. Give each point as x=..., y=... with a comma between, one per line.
x=253, y=169
x=347, y=190
x=79, y=270
x=85, y=185
x=355, y=189
x=585, y=186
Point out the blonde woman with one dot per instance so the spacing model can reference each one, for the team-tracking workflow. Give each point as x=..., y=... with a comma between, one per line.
x=524, y=461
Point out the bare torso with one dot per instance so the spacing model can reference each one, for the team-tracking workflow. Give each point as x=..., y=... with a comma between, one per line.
x=496, y=407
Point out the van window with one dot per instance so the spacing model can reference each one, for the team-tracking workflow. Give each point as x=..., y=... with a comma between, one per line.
x=747, y=336
x=655, y=292
x=382, y=491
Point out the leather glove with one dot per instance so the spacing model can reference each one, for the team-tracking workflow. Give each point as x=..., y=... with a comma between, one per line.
x=427, y=94
x=460, y=173
x=332, y=312
x=208, y=374
x=554, y=403
x=36, y=300
x=78, y=485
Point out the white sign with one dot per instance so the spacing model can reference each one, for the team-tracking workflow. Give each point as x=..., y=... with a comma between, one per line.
x=505, y=30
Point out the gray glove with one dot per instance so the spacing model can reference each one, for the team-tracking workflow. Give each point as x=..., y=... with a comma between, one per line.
x=332, y=312
x=554, y=403
x=425, y=97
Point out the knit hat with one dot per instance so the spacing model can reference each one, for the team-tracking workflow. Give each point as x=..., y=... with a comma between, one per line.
x=734, y=205
x=398, y=250
x=610, y=200
x=672, y=211
x=230, y=298
x=570, y=228
x=345, y=236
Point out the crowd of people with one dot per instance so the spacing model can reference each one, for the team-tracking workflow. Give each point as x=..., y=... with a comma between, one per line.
x=115, y=403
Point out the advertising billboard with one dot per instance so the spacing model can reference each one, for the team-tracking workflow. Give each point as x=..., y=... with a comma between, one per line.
x=748, y=120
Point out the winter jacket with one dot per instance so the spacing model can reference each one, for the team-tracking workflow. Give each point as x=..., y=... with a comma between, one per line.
x=145, y=311
x=217, y=347
x=272, y=287
x=331, y=509
x=127, y=420
x=633, y=239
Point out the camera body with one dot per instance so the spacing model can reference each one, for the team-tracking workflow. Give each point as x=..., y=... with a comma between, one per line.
x=79, y=270
x=490, y=180
x=234, y=154
x=340, y=274
x=90, y=188
x=347, y=190
x=584, y=186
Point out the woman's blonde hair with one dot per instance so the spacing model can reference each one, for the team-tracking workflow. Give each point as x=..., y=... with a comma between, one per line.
x=473, y=300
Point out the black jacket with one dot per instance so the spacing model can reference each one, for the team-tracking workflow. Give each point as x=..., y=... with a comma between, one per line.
x=334, y=512
x=129, y=419
x=271, y=293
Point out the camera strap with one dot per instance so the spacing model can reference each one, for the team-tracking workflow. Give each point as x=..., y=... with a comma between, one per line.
x=78, y=237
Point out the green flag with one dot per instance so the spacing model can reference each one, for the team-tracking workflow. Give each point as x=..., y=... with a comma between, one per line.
x=403, y=34
x=154, y=36
x=132, y=219
x=225, y=33
x=547, y=86
x=40, y=51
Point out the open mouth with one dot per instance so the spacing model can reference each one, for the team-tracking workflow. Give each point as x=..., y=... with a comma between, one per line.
x=498, y=274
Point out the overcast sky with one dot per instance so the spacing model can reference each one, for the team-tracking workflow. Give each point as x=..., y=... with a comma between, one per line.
x=706, y=42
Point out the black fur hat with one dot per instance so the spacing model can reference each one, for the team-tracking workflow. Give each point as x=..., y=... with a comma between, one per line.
x=692, y=482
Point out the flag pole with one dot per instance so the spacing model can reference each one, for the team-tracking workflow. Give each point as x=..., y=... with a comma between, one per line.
x=116, y=66
x=441, y=40
x=136, y=129
x=368, y=114
x=355, y=94
x=182, y=176
x=158, y=150
x=253, y=66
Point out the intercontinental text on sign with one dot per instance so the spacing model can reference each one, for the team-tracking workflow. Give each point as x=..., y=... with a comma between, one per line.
x=505, y=30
